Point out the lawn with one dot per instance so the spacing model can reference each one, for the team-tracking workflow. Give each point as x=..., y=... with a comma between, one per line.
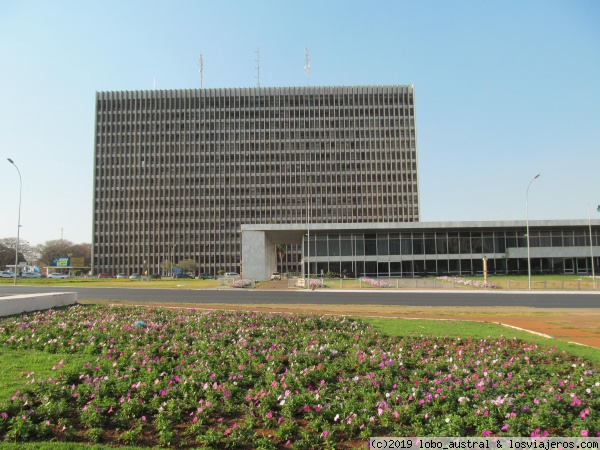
x=513, y=282
x=167, y=283
x=190, y=379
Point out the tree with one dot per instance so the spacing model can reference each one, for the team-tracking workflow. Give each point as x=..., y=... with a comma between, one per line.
x=49, y=250
x=7, y=256
x=281, y=253
x=166, y=266
x=83, y=250
x=26, y=251
x=188, y=265
x=62, y=248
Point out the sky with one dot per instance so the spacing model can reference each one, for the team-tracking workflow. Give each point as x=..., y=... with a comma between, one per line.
x=504, y=90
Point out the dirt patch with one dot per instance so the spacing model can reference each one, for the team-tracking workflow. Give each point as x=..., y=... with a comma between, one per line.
x=581, y=326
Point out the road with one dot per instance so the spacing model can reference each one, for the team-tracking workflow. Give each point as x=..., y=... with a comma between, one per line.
x=534, y=299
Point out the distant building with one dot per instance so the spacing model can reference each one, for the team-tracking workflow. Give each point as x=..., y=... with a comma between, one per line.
x=177, y=173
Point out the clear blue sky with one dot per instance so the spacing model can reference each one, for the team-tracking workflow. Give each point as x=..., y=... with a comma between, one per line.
x=504, y=90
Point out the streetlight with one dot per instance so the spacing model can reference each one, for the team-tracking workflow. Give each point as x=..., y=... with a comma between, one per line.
x=527, y=220
x=592, y=246
x=18, y=220
x=173, y=258
x=309, y=192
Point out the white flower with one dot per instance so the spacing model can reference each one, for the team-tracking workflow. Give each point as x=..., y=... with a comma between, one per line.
x=447, y=419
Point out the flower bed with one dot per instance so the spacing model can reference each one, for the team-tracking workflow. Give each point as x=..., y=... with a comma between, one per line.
x=317, y=284
x=375, y=283
x=184, y=378
x=241, y=283
x=458, y=280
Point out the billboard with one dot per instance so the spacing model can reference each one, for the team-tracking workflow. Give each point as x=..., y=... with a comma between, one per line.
x=60, y=262
x=77, y=262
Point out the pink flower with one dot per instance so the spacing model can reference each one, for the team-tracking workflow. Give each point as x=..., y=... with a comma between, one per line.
x=584, y=433
x=325, y=433
x=269, y=415
x=227, y=431
x=504, y=428
x=486, y=433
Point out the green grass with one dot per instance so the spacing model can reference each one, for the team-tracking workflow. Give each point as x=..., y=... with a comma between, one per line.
x=17, y=367
x=186, y=283
x=464, y=329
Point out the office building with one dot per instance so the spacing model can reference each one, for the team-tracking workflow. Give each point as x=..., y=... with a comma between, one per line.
x=407, y=250
x=178, y=172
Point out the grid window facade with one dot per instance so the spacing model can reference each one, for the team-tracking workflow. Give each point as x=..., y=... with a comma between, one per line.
x=176, y=173
x=409, y=254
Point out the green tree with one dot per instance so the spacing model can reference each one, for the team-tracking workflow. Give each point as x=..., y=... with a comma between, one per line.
x=166, y=266
x=188, y=265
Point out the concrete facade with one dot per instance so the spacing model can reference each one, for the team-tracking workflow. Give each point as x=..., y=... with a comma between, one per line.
x=17, y=304
x=178, y=172
x=428, y=248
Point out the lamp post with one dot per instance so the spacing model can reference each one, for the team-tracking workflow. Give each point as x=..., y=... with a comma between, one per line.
x=592, y=247
x=527, y=221
x=309, y=191
x=173, y=258
x=18, y=220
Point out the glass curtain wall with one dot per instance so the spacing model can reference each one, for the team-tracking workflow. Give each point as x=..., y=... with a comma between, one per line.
x=441, y=253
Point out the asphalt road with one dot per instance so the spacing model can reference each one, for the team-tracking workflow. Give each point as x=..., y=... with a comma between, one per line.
x=535, y=299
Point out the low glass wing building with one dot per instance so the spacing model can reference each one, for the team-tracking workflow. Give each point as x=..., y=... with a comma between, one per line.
x=425, y=248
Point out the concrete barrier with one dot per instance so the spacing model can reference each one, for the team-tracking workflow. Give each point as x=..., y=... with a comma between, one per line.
x=17, y=304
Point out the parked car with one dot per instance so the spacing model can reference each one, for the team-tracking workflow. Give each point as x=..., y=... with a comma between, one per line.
x=105, y=275
x=232, y=274
x=182, y=275
x=6, y=274
x=58, y=275
x=121, y=275
x=206, y=276
x=134, y=276
x=30, y=275
x=276, y=276
x=155, y=276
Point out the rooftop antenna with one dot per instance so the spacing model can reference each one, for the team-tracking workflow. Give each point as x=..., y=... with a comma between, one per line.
x=201, y=63
x=307, y=66
x=257, y=68
x=154, y=85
